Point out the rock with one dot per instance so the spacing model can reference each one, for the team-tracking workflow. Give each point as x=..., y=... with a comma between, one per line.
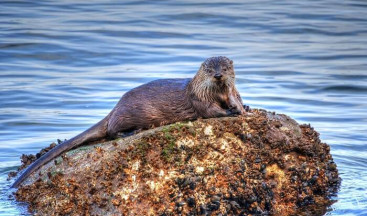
x=260, y=163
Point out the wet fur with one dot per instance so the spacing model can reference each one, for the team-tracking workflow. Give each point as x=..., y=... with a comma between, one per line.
x=161, y=102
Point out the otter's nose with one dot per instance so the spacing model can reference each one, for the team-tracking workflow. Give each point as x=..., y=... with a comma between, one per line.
x=218, y=76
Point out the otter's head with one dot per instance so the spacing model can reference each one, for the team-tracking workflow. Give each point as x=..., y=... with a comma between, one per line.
x=215, y=76
x=219, y=70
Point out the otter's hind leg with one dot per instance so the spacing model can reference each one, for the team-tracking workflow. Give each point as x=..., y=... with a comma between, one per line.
x=118, y=124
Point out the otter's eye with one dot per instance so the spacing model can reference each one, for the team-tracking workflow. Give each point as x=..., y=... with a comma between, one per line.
x=225, y=69
x=210, y=70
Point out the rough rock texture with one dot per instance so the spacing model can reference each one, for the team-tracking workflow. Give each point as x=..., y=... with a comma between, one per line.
x=257, y=164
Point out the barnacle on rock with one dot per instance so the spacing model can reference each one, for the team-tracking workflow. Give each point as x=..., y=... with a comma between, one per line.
x=257, y=164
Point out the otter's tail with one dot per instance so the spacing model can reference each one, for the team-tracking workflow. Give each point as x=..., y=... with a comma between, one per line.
x=97, y=131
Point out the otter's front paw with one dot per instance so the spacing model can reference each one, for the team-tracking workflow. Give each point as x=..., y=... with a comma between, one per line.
x=228, y=112
x=233, y=112
x=247, y=108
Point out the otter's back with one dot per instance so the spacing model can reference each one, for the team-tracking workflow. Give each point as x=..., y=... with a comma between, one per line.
x=158, y=102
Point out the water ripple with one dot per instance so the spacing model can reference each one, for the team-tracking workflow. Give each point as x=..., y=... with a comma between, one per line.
x=64, y=65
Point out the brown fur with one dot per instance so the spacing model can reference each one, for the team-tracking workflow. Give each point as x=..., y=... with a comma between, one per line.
x=162, y=102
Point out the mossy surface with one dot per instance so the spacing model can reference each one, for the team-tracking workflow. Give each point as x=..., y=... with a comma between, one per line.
x=257, y=164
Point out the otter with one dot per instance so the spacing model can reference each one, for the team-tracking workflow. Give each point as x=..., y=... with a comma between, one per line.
x=210, y=93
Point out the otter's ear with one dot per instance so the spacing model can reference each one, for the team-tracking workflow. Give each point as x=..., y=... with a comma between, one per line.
x=231, y=62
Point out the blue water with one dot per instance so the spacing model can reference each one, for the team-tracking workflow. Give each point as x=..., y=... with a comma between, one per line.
x=64, y=65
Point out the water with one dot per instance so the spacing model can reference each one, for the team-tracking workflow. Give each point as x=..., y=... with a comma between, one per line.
x=64, y=65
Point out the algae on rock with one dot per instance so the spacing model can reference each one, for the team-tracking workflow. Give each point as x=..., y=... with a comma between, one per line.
x=260, y=163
